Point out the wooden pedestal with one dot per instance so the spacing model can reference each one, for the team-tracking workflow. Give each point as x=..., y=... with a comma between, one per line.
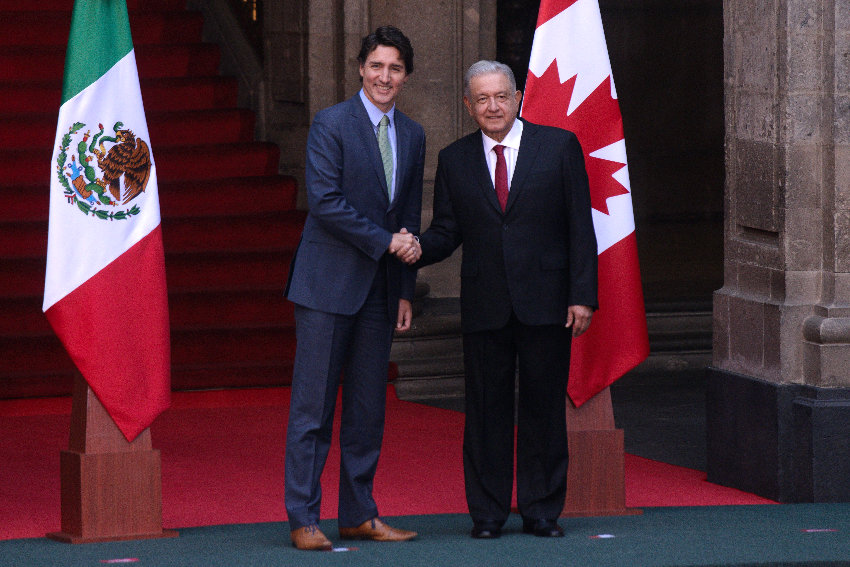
x=110, y=488
x=596, y=476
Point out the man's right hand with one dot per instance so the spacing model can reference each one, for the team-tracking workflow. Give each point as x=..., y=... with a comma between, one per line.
x=405, y=247
x=578, y=317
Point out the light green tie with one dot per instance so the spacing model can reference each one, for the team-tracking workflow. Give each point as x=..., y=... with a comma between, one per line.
x=386, y=153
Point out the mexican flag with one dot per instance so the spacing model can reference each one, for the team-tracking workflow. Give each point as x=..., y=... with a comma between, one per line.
x=570, y=85
x=105, y=292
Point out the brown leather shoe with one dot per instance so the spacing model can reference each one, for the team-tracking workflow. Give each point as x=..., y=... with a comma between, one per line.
x=376, y=530
x=310, y=538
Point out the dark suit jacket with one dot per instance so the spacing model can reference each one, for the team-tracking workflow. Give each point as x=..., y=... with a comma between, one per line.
x=351, y=221
x=537, y=258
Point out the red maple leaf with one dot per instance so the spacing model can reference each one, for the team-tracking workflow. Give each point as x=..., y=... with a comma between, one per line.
x=597, y=123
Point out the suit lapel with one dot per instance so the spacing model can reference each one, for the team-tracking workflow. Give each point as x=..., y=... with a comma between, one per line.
x=402, y=142
x=366, y=131
x=480, y=171
x=528, y=147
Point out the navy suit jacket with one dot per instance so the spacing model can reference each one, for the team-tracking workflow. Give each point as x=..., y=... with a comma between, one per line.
x=535, y=259
x=351, y=221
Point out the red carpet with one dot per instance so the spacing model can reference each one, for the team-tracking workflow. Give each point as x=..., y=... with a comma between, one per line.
x=222, y=463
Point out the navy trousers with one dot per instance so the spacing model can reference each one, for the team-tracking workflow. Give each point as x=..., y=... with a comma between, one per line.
x=329, y=345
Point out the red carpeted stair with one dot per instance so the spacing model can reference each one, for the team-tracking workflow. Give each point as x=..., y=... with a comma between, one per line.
x=229, y=220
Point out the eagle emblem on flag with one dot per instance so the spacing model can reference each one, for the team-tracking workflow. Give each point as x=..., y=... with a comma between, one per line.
x=104, y=180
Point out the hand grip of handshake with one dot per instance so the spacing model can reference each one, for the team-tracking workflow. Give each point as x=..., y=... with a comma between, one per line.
x=405, y=246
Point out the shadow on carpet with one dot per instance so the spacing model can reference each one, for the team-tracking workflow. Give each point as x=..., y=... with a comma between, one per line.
x=793, y=534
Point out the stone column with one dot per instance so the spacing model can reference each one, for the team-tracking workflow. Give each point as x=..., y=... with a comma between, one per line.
x=447, y=37
x=778, y=406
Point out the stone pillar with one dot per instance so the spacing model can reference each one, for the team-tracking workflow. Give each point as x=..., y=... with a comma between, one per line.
x=447, y=37
x=778, y=405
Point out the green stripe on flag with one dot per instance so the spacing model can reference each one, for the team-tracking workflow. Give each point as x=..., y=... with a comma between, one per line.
x=99, y=38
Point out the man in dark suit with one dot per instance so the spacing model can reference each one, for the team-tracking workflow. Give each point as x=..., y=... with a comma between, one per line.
x=352, y=286
x=516, y=196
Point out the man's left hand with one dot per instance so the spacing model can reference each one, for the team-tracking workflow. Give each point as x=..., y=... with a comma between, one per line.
x=405, y=315
x=578, y=317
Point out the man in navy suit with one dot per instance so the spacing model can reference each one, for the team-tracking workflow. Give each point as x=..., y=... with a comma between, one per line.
x=352, y=287
x=516, y=196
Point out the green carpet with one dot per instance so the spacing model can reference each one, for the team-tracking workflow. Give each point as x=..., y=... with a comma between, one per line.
x=793, y=534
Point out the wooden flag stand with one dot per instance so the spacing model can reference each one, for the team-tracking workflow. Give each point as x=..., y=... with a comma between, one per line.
x=596, y=477
x=110, y=488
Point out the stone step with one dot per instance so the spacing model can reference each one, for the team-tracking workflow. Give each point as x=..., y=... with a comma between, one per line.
x=430, y=355
x=676, y=331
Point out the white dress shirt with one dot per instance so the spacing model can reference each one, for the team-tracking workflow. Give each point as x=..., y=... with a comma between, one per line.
x=511, y=143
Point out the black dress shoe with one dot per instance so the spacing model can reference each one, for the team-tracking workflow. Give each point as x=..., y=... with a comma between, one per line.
x=486, y=532
x=542, y=528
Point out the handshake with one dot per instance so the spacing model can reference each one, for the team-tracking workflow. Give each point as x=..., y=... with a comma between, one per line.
x=405, y=247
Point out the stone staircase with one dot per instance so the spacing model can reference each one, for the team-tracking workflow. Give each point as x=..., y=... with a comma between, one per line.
x=430, y=355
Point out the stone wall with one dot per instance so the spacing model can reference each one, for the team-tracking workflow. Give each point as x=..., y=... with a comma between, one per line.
x=787, y=243
x=782, y=318
x=447, y=37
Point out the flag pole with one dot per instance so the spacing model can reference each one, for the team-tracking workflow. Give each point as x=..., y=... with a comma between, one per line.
x=110, y=487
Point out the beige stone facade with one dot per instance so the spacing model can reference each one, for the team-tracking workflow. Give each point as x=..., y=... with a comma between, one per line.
x=778, y=405
x=782, y=314
x=447, y=37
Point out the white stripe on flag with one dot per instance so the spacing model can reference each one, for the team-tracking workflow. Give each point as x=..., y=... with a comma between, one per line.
x=79, y=245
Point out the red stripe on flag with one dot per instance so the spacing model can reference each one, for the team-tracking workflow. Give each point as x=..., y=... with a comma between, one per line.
x=115, y=328
x=552, y=8
x=617, y=339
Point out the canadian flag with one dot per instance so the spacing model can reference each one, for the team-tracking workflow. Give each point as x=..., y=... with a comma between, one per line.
x=570, y=86
x=105, y=293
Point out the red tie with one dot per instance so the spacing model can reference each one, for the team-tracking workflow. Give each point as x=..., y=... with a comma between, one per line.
x=501, y=176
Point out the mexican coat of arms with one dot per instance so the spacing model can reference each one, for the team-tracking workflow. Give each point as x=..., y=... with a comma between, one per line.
x=104, y=180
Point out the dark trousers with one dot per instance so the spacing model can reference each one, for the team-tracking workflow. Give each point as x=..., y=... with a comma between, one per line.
x=327, y=345
x=490, y=359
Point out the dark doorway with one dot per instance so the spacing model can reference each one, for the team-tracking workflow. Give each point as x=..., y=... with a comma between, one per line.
x=667, y=59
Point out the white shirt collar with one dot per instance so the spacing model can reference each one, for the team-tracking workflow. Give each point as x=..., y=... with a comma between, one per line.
x=511, y=140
